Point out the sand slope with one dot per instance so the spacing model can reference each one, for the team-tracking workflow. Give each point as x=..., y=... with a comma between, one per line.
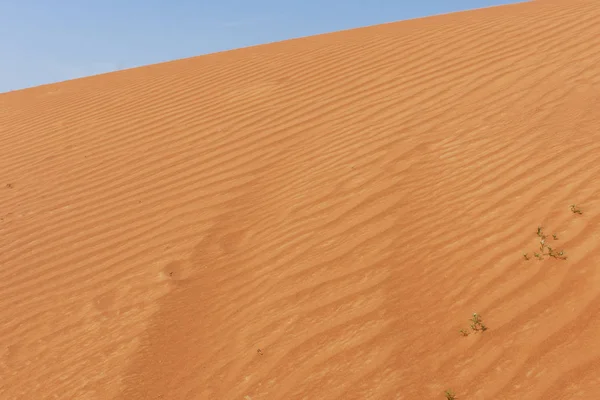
x=343, y=203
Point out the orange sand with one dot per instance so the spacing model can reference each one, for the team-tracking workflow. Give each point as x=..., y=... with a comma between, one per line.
x=342, y=202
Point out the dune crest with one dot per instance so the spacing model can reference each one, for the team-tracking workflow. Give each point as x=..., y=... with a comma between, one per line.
x=313, y=219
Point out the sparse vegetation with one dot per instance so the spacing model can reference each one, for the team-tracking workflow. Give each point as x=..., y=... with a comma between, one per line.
x=575, y=209
x=545, y=249
x=450, y=395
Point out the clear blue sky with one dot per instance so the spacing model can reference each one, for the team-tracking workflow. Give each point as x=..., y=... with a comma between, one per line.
x=43, y=41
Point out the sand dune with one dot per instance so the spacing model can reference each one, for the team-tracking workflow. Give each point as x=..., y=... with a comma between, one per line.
x=312, y=219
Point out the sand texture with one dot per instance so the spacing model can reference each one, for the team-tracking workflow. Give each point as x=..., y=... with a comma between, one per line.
x=313, y=219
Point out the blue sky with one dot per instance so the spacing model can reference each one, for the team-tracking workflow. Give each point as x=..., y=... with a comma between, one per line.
x=44, y=41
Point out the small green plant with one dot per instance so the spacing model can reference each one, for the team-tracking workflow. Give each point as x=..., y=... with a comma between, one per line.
x=554, y=236
x=477, y=324
x=450, y=395
x=560, y=255
x=525, y=256
x=540, y=232
x=575, y=209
